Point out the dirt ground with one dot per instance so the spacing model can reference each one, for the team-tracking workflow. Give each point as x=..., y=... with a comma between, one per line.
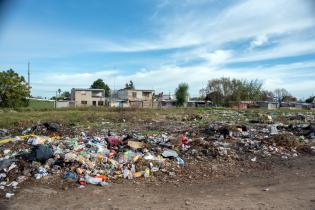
x=287, y=185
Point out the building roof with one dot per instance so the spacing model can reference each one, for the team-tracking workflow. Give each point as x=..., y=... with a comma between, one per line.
x=138, y=90
x=87, y=89
x=198, y=101
x=267, y=102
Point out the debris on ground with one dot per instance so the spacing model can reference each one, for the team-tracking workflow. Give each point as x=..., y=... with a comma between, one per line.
x=100, y=157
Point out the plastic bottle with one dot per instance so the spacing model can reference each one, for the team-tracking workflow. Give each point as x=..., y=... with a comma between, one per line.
x=180, y=161
x=92, y=180
x=133, y=169
x=130, y=175
x=125, y=172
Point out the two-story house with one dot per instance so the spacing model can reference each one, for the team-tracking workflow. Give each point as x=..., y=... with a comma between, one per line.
x=133, y=98
x=88, y=97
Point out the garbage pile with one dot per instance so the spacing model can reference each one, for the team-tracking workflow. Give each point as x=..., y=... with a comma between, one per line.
x=74, y=155
x=86, y=159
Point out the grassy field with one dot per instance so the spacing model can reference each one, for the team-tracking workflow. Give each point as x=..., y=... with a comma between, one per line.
x=97, y=116
x=37, y=104
x=24, y=117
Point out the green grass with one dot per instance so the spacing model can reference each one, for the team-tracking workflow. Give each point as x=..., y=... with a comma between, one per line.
x=97, y=116
x=151, y=132
x=82, y=116
x=36, y=104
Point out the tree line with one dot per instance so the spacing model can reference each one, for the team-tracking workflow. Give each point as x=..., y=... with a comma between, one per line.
x=224, y=91
x=14, y=91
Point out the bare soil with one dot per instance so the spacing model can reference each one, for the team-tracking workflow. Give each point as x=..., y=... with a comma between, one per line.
x=286, y=184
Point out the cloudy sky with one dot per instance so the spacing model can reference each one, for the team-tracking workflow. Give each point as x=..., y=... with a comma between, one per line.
x=159, y=43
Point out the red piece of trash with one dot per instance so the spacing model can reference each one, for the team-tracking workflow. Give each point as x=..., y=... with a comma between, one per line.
x=183, y=139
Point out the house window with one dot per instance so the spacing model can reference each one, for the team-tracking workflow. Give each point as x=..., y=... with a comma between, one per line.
x=84, y=102
x=100, y=103
x=146, y=94
x=134, y=94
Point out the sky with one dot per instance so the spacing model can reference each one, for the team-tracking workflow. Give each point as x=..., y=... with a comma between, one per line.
x=159, y=43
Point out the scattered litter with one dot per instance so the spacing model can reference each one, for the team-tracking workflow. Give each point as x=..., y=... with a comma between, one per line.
x=9, y=195
x=99, y=157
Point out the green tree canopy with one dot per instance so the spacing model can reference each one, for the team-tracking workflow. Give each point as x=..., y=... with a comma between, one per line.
x=13, y=89
x=66, y=94
x=130, y=85
x=225, y=90
x=311, y=99
x=59, y=91
x=289, y=99
x=100, y=84
x=181, y=94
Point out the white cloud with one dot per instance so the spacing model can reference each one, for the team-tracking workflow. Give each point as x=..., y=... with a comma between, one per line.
x=166, y=78
x=240, y=21
x=286, y=48
x=217, y=57
x=181, y=28
x=259, y=41
x=208, y=34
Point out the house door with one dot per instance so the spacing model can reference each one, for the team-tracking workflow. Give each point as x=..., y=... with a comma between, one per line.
x=94, y=103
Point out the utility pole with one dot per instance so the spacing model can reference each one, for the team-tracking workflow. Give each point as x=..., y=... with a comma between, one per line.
x=28, y=75
x=56, y=100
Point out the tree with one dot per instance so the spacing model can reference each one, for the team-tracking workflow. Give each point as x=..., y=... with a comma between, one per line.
x=311, y=99
x=267, y=95
x=59, y=91
x=66, y=94
x=281, y=94
x=181, y=94
x=130, y=85
x=289, y=99
x=225, y=90
x=13, y=89
x=100, y=84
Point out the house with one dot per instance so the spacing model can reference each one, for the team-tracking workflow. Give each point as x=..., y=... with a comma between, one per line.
x=87, y=97
x=267, y=104
x=287, y=105
x=132, y=98
x=241, y=104
x=199, y=103
x=166, y=100
x=303, y=105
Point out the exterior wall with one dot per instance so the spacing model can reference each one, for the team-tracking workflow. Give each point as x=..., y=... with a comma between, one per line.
x=62, y=104
x=136, y=104
x=272, y=106
x=239, y=106
x=119, y=104
x=267, y=105
x=123, y=94
x=85, y=98
x=136, y=98
x=167, y=104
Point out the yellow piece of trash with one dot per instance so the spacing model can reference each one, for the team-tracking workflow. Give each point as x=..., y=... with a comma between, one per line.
x=16, y=138
x=137, y=174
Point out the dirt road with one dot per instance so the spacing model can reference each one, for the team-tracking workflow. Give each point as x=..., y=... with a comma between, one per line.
x=289, y=185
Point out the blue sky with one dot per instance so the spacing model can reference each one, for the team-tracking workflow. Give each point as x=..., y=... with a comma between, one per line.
x=160, y=43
